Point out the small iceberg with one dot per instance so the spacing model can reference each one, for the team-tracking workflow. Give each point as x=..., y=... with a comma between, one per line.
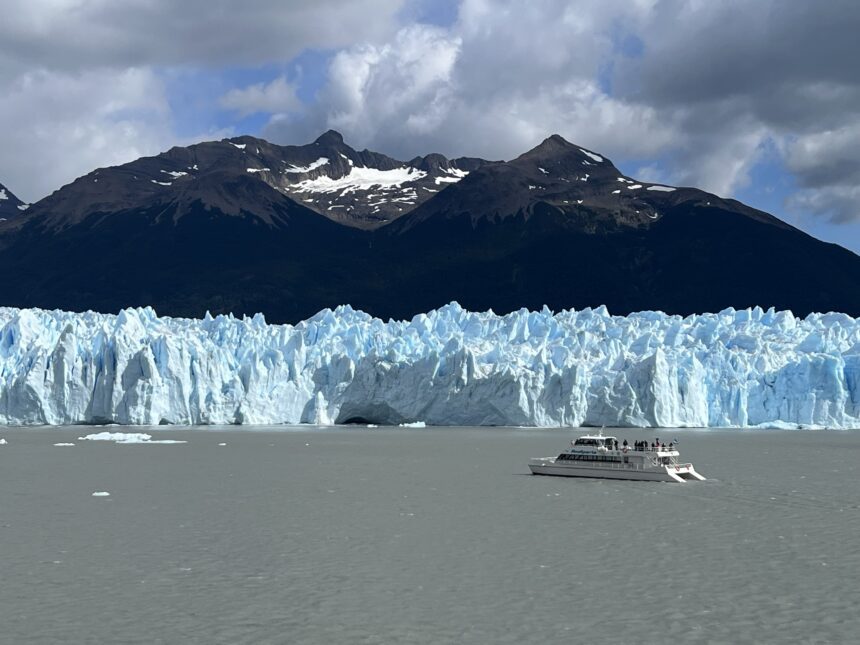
x=101, y=493
x=127, y=438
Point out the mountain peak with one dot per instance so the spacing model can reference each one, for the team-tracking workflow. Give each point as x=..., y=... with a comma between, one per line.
x=330, y=138
x=556, y=147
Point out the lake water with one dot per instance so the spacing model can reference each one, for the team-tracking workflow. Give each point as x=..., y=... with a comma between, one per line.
x=355, y=535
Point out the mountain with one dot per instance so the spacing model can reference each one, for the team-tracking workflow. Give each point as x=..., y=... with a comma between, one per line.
x=10, y=206
x=242, y=226
x=244, y=174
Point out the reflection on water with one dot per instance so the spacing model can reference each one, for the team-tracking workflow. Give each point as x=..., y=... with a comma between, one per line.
x=424, y=536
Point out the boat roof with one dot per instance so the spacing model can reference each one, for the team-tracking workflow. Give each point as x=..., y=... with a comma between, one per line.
x=596, y=436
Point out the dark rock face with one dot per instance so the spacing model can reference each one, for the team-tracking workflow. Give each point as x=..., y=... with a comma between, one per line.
x=361, y=189
x=10, y=206
x=244, y=226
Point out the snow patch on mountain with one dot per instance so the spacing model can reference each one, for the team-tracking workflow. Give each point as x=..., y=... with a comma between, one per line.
x=449, y=366
x=664, y=189
x=3, y=194
x=591, y=155
x=322, y=161
x=360, y=178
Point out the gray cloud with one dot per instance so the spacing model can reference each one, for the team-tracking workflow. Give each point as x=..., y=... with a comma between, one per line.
x=81, y=34
x=742, y=75
x=506, y=75
x=83, y=80
x=713, y=87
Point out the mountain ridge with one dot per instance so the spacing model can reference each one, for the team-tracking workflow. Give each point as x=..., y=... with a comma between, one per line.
x=10, y=206
x=245, y=226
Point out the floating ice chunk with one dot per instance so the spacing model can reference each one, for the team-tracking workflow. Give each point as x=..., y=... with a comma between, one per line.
x=127, y=438
x=591, y=155
x=3, y=442
x=414, y=424
x=63, y=444
x=665, y=189
x=222, y=444
x=101, y=493
x=322, y=161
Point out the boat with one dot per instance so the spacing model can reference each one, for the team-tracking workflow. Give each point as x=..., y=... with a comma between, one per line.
x=600, y=456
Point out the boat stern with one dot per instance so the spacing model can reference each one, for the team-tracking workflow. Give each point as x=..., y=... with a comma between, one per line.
x=683, y=473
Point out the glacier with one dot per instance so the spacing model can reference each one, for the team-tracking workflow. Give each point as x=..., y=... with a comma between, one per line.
x=735, y=368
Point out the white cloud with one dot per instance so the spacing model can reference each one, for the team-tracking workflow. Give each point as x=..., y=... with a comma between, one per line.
x=497, y=83
x=66, y=125
x=82, y=79
x=278, y=96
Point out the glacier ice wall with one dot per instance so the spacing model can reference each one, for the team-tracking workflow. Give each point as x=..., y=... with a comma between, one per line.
x=450, y=366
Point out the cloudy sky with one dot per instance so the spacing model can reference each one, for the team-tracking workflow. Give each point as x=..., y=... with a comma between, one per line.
x=753, y=99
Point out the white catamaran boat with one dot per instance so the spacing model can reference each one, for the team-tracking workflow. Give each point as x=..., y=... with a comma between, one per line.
x=600, y=456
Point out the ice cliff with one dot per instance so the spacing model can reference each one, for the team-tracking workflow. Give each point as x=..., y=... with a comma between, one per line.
x=450, y=366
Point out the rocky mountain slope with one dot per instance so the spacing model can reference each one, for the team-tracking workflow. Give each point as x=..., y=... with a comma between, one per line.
x=249, y=175
x=10, y=206
x=243, y=226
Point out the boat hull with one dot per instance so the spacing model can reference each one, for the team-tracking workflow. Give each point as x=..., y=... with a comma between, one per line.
x=665, y=474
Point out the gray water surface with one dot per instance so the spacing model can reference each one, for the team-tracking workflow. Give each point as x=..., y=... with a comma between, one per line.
x=424, y=536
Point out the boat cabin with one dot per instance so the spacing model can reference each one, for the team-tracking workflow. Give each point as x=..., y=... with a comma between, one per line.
x=596, y=442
